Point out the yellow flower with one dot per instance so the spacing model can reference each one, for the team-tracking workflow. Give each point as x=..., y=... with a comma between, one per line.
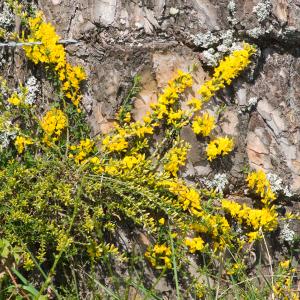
x=170, y=96
x=141, y=131
x=220, y=146
x=159, y=256
x=229, y=68
x=127, y=118
x=175, y=157
x=235, y=268
x=52, y=53
x=82, y=150
x=204, y=125
x=21, y=142
x=125, y=165
x=254, y=235
x=111, y=170
x=264, y=218
x=188, y=197
x=174, y=235
x=95, y=160
x=233, y=207
x=258, y=182
x=114, y=143
x=195, y=103
x=285, y=264
x=174, y=116
x=53, y=122
x=15, y=99
x=195, y=244
x=129, y=162
x=147, y=119
x=161, y=221
x=49, y=51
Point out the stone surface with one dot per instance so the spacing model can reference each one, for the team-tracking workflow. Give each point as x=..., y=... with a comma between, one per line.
x=120, y=39
x=153, y=38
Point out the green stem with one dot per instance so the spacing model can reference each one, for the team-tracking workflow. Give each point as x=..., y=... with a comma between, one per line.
x=42, y=271
x=174, y=265
x=59, y=255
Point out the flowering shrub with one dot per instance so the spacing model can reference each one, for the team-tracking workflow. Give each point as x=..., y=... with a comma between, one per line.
x=228, y=69
x=203, y=125
x=21, y=143
x=219, y=147
x=159, y=256
x=53, y=123
x=66, y=197
x=52, y=54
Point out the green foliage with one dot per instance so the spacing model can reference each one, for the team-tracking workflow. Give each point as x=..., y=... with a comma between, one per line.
x=68, y=201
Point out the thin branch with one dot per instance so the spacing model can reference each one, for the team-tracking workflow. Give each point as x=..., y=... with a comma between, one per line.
x=270, y=262
x=15, y=283
x=21, y=44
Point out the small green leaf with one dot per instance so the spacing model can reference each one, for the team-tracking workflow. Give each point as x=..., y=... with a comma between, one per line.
x=20, y=276
x=31, y=290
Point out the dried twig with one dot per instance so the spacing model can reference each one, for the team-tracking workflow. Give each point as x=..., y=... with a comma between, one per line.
x=15, y=283
x=270, y=262
x=21, y=44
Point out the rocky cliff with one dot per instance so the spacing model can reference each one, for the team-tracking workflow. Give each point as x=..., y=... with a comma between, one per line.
x=119, y=39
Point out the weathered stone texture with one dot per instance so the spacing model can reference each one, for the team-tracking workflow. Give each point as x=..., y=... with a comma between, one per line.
x=122, y=38
x=273, y=134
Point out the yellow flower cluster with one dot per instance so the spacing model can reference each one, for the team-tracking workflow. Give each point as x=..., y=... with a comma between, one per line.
x=258, y=182
x=159, y=256
x=188, y=197
x=253, y=236
x=127, y=118
x=235, y=268
x=195, y=244
x=257, y=219
x=164, y=109
x=285, y=264
x=53, y=54
x=15, y=99
x=49, y=52
x=118, y=140
x=220, y=146
x=71, y=78
x=228, y=69
x=113, y=143
x=53, y=123
x=138, y=129
x=170, y=96
x=161, y=221
x=195, y=104
x=215, y=227
x=283, y=286
x=96, y=251
x=175, y=117
x=21, y=143
x=124, y=166
x=82, y=150
x=203, y=125
x=129, y=162
x=176, y=158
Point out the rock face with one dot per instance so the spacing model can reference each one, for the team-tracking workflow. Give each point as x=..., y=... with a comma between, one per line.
x=152, y=38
